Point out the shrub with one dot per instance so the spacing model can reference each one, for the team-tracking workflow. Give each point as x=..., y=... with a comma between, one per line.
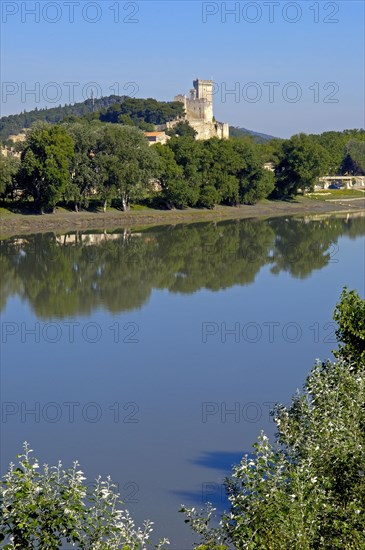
x=47, y=509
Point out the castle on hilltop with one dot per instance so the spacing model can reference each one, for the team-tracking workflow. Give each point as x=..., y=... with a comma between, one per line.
x=199, y=111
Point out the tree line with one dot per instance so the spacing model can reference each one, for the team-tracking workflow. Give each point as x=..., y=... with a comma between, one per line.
x=76, y=161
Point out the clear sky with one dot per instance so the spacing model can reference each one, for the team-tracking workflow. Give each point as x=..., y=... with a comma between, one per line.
x=293, y=66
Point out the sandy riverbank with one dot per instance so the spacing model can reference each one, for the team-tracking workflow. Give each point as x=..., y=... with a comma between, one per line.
x=62, y=221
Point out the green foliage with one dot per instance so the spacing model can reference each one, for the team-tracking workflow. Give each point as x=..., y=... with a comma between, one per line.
x=53, y=507
x=45, y=166
x=300, y=160
x=9, y=167
x=149, y=111
x=84, y=169
x=188, y=172
x=272, y=151
x=208, y=196
x=255, y=183
x=126, y=163
x=354, y=161
x=143, y=113
x=307, y=490
x=336, y=145
x=13, y=124
x=230, y=172
x=302, y=163
x=256, y=137
x=182, y=129
x=350, y=317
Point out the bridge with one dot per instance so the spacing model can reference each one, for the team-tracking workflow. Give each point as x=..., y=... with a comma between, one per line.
x=350, y=182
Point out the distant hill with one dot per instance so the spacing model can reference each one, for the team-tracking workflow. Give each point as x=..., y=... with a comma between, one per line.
x=257, y=136
x=13, y=124
x=143, y=113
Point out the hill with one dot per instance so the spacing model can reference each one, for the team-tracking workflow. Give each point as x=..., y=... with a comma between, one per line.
x=257, y=136
x=13, y=124
x=143, y=113
x=138, y=112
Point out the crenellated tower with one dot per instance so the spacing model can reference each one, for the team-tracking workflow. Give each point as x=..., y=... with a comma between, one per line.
x=199, y=111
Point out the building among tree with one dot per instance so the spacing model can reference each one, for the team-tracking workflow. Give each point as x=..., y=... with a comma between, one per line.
x=157, y=137
x=199, y=111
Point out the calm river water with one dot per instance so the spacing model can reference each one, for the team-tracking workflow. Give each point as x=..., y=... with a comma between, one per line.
x=155, y=355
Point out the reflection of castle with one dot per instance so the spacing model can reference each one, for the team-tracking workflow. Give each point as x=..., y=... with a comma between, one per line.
x=199, y=111
x=87, y=239
x=91, y=239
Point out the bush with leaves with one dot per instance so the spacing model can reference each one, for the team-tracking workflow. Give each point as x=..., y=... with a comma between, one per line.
x=307, y=490
x=48, y=509
x=350, y=316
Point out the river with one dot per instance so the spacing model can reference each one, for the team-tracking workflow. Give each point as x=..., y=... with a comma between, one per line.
x=155, y=354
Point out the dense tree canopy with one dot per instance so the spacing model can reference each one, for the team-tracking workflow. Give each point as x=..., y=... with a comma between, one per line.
x=302, y=163
x=126, y=163
x=354, y=161
x=336, y=144
x=84, y=169
x=149, y=110
x=216, y=171
x=112, y=161
x=9, y=167
x=45, y=166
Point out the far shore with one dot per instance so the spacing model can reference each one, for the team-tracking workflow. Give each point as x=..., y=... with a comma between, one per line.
x=63, y=221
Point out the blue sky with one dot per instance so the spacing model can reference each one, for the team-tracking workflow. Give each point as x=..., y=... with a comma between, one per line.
x=293, y=66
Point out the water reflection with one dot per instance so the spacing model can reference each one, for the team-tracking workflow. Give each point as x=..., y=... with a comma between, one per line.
x=73, y=274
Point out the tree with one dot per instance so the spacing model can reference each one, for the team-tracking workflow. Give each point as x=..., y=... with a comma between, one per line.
x=125, y=163
x=174, y=189
x=126, y=120
x=188, y=154
x=9, y=167
x=354, y=161
x=208, y=196
x=45, y=164
x=84, y=173
x=336, y=145
x=350, y=316
x=255, y=183
x=307, y=490
x=228, y=188
x=182, y=129
x=149, y=111
x=304, y=160
x=272, y=151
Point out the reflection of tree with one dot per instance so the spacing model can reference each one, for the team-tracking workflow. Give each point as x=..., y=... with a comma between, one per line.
x=11, y=283
x=302, y=246
x=68, y=276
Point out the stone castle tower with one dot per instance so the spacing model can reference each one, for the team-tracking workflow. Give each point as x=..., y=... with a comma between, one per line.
x=199, y=111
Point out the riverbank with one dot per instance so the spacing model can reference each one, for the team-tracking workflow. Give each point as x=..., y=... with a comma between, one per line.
x=63, y=220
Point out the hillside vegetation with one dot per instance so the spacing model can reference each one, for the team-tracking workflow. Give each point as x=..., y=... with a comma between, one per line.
x=122, y=109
